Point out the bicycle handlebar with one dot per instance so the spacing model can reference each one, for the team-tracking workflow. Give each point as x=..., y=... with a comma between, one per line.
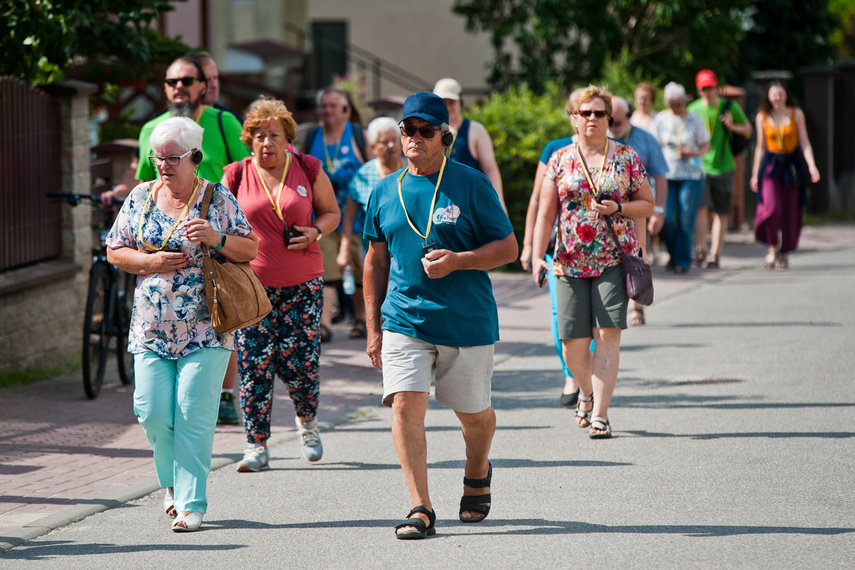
x=76, y=199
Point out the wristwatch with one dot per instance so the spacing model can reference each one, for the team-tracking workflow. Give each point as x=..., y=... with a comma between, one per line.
x=320, y=233
x=658, y=209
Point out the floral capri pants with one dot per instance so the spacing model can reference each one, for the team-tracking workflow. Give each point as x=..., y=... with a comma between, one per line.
x=286, y=343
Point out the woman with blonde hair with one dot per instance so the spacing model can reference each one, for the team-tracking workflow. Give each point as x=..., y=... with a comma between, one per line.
x=586, y=183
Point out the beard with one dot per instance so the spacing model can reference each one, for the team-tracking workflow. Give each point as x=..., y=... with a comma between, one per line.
x=186, y=109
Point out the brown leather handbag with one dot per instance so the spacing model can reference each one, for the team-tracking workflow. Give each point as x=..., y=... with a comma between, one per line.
x=235, y=297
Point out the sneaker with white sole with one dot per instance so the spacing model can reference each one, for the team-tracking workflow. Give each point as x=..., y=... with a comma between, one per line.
x=254, y=459
x=310, y=435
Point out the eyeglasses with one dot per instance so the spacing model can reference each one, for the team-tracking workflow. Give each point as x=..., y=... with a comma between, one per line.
x=187, y=81
x=424, y=132
x=169, y=160
x=587, y=113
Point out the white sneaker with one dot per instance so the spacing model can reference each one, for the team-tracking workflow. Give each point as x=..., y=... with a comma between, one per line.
x=310, y=435
x=254, y=459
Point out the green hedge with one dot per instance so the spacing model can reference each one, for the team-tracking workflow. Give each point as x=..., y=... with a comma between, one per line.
x=521, y=123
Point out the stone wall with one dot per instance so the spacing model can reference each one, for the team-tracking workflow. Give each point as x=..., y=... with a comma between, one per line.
x=42, y=305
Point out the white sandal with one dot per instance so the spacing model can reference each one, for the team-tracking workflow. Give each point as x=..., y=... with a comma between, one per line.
x=192, y=521
x=169, y=503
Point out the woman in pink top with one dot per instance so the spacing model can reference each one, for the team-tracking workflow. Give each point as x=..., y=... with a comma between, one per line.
x=290, y=203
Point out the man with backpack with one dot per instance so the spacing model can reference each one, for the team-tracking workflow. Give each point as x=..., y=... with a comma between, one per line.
x=340, y=146
x=729, y=130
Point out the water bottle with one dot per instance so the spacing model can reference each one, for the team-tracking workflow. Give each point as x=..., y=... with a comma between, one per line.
x=349, y=285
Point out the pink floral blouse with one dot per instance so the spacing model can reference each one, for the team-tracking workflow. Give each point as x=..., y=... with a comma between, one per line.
x=584, y=246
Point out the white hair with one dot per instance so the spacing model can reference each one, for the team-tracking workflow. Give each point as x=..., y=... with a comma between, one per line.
x=180, y=130
x=675, y=91
x=620, y=102
x=380, y=125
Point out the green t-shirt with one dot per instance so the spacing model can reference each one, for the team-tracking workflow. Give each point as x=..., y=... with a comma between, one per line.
x=719, y=160
x=214, y=157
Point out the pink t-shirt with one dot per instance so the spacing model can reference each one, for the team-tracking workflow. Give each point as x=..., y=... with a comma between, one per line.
x=277, y=266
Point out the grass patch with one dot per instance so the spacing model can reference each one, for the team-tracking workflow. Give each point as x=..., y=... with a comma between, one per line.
x=37, y=374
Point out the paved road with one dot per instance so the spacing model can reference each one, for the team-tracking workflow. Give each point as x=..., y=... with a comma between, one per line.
x=733, y=446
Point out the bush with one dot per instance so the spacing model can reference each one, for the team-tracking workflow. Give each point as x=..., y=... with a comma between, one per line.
x=521, y=123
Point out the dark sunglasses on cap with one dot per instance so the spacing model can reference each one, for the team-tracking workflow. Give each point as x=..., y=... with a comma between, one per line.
x=187, y=81
x=587, y=113
x=424, y=132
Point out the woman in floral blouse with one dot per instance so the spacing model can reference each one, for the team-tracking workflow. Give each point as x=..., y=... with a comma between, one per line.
x=585, y=182
x=179, y=358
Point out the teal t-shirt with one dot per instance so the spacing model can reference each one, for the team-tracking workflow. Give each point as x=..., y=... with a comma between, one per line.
x=719, y=159
x=459, y=309
x=214, y=157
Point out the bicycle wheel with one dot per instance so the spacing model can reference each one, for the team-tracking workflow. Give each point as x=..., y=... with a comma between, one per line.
x=123, y=310
x=95, y=330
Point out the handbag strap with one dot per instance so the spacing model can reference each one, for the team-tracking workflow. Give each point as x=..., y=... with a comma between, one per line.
x=613, y=233
x=203, y=212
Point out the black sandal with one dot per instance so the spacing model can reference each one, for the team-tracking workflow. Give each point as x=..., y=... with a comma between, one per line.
x=476, y=502
x=422, y=530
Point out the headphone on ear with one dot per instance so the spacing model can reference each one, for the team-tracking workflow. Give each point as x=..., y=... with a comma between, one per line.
x=196, y=157
x=611, y=121
x=447, y=138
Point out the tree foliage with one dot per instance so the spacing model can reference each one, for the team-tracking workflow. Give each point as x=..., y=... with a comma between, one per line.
x=787, y=35
x=521, y=122
x=40, y=38
x=572, y=41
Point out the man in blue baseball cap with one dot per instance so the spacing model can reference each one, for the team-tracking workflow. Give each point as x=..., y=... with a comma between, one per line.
x=435, y=228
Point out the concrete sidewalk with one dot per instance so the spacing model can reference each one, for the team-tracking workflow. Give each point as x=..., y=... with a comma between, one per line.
x=63, y=457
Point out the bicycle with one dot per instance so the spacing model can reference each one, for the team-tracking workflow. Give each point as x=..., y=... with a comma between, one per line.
x=109, y=304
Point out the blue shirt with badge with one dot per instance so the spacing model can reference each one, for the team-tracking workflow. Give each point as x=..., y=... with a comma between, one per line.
x=458, y=309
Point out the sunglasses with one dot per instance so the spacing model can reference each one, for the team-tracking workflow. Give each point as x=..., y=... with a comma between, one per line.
x=169, y=160
x=424, y=132
x=598, y=114
x=187, y=81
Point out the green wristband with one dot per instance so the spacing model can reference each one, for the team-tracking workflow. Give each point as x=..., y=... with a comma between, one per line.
x=222, y=242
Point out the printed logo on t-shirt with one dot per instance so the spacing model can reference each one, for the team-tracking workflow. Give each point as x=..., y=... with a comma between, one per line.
x=301, y=190
x=447, y=215
x=345, y=150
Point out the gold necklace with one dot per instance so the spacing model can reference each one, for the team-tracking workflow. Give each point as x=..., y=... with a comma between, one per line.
x=177, y=221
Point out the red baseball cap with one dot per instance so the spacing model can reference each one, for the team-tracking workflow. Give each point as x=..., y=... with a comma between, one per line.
x=705, y=78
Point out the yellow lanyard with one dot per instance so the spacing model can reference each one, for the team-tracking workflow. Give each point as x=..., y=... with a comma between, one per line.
x=331, y=161
x=274, y=202
x=172, y=229
x=432, y=204
x=588, y=174
x=779, y=130
x=677, y=134
x=711, y=123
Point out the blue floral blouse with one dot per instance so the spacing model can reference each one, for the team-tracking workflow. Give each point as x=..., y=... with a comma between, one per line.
x=171, y=315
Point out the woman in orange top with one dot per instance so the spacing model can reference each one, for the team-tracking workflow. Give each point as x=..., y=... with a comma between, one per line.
x=782, y=160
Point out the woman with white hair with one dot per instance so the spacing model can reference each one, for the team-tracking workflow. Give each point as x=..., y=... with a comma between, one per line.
x=684, y=139
x=179, y=359
x=384, y=138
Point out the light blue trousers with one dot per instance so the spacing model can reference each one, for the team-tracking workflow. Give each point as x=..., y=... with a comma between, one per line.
x=176, y=402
